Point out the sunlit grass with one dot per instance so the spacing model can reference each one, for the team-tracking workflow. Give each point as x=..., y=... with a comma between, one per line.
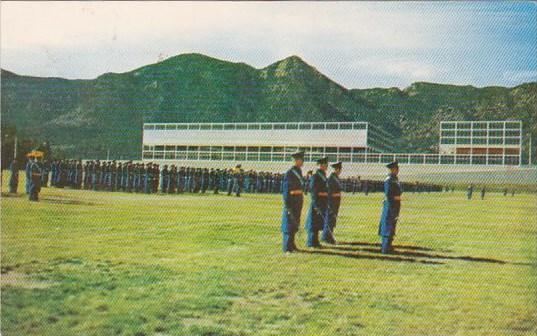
x=99, y=263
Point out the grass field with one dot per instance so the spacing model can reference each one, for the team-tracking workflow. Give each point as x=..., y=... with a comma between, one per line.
x=98, y=263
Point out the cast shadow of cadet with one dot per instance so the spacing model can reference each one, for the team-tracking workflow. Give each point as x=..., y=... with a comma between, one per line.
x=354, y=254
x=413, y=252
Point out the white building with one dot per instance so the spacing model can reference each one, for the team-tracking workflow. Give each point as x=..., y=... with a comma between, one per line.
x=482, y=142
x=272, y=142
x=360, y=145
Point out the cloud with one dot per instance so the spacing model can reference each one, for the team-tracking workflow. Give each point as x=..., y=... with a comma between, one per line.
x=405, y=69
x=392, y=43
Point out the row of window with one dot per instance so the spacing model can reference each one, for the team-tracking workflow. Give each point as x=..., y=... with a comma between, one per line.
x=480, y=141
x=350, y=158
x=255, y=150
x=480, y=133
x=257, y=126
x=480, y=125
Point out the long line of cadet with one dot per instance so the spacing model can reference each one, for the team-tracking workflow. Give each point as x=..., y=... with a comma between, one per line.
x=150, y=178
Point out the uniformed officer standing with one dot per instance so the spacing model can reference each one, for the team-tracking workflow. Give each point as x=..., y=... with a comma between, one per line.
x=391, y=208
x=470, y=191
x=35, y=180
x=334, y=201
x=318, y=211
x=293, y=199
x=28, y=175
x=14, y=177
x=164, y=179
x=483, y=191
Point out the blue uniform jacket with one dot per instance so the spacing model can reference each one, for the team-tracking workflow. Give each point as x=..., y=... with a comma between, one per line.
x=14, y=178
x=391, y=208
x=35, y=179
x=334, y=188
x=318, y=211
x=292, y=204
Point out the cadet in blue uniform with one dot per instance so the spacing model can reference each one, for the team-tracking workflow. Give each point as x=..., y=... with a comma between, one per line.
x=35, y=180
x=391, y=208
x=334, y=201
x=292, y=202
x=28, y=175
x=470, y=191
x=318, y=211
x=164, y=179
x=14, y=178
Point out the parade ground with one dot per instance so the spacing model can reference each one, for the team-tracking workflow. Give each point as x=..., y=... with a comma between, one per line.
x=100, y=263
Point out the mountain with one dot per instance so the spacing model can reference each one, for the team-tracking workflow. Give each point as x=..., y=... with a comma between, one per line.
x=87, y=118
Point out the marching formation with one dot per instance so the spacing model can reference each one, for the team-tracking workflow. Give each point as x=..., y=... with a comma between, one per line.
x=325, y=203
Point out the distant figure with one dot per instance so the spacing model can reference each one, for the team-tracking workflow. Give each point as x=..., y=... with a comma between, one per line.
x=164, y=179
x=28, y=175
x=14, y=178
x=470, y=191
x=293, y=200
x=483, y=193
x=505, y=192
x=35, y=179
x=391, y=208
x=318, y=211
x=238, y=175
x=512, y=192
x=334, y=201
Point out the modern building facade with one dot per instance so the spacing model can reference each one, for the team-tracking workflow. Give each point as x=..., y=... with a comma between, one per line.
x=470, y=143
x=482, y=142
x=344, y=141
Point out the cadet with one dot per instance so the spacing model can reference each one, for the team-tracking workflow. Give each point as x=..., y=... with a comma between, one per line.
x=148, y=178
x=35, y=180
x=164, y=179
x=238, y=180
x=318, y=211
x=483, y=192
x=293, y=199
x=334, y=201
x=28, y=175
x=14, y=178
x=391, y=208
x=217, y=180
x=470, y=191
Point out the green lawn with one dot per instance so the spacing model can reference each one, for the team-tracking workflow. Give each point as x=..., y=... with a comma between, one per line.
x=98, y=263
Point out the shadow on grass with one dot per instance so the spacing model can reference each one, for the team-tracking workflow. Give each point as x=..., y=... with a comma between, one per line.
x=61, y=200
x=10, y=195
x=367, y=256
x=406, y=247
x=400, y=250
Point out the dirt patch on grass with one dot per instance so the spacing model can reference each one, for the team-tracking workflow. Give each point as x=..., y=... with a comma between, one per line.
x=22, y=280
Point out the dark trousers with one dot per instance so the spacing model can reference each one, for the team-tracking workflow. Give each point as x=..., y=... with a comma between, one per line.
x=386, y=246
x=33, y=193
x=313, y=238
x=289, y=242
x=328, y=233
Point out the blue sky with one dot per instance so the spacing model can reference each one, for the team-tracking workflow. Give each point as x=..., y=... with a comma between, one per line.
x=359, y=45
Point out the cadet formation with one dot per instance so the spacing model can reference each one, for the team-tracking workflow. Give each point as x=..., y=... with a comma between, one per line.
x=325, y=192
x=324, y=187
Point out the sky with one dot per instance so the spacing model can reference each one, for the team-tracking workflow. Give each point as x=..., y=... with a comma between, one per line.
x=357, y=44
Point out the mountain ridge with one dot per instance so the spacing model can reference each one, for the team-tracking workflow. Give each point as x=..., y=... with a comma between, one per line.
x=106, y=113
